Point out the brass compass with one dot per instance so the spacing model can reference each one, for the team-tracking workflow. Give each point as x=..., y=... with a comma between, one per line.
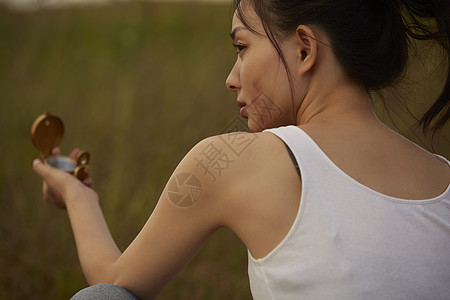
x=47, y=133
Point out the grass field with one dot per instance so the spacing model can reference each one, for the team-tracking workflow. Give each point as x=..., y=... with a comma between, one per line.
x=137, y=85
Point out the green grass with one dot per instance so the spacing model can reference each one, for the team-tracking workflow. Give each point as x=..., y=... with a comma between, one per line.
x=137, y=85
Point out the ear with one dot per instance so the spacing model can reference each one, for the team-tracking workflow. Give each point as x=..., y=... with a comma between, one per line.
x=307, y=48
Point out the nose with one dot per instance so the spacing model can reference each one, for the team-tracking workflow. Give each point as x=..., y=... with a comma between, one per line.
x=233, y=81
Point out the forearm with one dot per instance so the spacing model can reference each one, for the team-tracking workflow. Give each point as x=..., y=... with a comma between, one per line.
x=97, y=250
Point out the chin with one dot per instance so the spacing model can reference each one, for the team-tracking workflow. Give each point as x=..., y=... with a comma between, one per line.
x=255, y=126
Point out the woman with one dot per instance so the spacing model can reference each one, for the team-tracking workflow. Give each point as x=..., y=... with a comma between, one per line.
x=329, y=202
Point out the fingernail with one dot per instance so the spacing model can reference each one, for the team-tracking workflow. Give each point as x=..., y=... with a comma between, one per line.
x=36, y=161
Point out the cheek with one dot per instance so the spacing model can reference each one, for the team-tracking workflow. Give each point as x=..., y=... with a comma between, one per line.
x=262, y=72
x=268, y=95
x=251, y=76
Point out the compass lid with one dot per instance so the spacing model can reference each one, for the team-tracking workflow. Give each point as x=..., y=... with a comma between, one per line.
x=47, y=133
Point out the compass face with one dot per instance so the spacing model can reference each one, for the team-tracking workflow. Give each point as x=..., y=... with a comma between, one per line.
x=62, y=163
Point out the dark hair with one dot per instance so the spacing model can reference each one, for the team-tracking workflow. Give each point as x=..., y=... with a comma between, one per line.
x=369, y=38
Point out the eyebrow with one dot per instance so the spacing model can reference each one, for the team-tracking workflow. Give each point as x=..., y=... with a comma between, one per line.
x=236, y=30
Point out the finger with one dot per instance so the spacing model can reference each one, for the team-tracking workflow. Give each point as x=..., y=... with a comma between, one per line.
x=39, y=167
x=43, y=169
x=56, y=151
x=47, y=193
x=50, y=197
x=88, y=182
x=88, y=173
x=74, y=153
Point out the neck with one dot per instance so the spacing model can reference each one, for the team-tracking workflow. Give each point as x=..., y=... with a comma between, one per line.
x=339, y=101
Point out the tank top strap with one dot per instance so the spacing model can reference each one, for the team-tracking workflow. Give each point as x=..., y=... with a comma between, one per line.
x=306, y=152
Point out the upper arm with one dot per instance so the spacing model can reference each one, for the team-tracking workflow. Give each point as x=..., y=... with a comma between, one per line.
x=190, y=209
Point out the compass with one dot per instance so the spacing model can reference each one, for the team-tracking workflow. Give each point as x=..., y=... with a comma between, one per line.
x=47, y=133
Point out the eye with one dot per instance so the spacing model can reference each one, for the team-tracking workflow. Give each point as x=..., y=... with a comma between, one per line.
x=239, y=48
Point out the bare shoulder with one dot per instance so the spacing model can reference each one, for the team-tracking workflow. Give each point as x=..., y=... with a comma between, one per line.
x=223, y=157
x=252, y=178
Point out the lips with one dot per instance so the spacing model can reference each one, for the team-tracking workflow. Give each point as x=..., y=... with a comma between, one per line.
x=242, y=106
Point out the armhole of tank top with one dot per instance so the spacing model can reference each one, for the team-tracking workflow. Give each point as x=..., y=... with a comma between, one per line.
x=280, y=135
x=442, y=158
x=294, y=160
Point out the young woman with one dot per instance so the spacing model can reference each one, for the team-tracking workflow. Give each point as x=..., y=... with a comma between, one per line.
x=330, y=202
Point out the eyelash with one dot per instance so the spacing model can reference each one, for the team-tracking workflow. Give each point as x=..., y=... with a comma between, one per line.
x=239, y=48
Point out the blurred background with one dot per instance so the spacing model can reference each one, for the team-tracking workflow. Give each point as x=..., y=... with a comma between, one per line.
x=137, y=84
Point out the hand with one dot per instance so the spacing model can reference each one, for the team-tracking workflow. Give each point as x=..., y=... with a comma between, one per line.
x=58, y=185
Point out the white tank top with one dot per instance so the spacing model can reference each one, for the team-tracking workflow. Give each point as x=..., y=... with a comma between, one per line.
x=351, y=242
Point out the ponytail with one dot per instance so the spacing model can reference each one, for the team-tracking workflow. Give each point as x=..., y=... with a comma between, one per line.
x=417, y=17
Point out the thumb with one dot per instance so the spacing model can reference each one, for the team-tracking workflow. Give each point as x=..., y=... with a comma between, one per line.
x=39, y=168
